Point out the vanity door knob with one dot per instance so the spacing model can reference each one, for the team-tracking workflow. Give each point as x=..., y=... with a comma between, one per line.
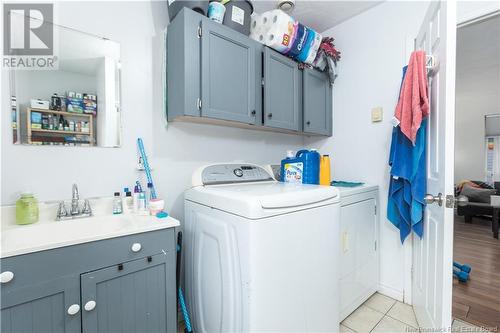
x=308, y=123
x=136, y=247
x=270, y=115
x=74, y=309
x=89, y=306
x=6, y=276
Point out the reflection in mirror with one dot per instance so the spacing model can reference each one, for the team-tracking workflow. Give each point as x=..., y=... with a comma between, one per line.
x=77, y=104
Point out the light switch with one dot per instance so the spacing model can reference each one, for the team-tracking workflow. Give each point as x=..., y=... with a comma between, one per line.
x=377, y=114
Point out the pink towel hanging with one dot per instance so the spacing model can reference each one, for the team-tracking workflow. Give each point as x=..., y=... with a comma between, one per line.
x=413, y=104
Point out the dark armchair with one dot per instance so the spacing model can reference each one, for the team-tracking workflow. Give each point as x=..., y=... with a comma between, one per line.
x=472, y=209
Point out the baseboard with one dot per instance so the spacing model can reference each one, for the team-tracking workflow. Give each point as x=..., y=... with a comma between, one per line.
x=391, y=292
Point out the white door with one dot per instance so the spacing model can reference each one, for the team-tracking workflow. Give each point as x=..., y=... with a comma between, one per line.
x=433, y=254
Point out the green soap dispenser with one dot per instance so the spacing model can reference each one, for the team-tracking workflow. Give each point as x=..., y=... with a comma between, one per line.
x=27, y=209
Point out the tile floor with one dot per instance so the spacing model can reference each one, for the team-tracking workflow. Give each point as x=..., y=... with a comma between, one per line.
x=382, y=314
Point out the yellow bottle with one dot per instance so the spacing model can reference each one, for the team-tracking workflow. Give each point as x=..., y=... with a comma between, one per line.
x=324, y=170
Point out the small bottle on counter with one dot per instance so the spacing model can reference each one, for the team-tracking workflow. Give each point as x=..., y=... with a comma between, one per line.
x=142, y=204
x=127, y=202
x=117, y=204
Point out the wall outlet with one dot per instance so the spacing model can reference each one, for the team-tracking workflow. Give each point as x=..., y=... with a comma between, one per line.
x=377, y=114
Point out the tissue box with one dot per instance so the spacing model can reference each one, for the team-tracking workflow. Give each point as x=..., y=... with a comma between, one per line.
x=39, y=104
x=495, y=200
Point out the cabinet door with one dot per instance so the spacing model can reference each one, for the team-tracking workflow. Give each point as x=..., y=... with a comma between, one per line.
x=358, y=254
x=230, y=68
x=42, y=307
x=317, y=102
x=281, y=91
x=136, y=296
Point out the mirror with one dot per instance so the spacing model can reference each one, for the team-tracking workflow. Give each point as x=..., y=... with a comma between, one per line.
x=75, y=104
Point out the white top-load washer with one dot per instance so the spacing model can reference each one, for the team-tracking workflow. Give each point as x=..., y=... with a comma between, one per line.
x=260, y=255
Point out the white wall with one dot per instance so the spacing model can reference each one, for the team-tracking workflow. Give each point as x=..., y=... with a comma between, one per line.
x=373, y=47
x=175, y=150
x=477, y=94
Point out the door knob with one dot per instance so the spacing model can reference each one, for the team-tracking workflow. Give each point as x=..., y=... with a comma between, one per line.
x=89, y=306
x=452, y=202
x=73, y=309
x=430, y=199
x=6, y=276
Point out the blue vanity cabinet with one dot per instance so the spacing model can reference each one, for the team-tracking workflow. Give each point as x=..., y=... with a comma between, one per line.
x=42, y=307
x=130, y=279
x=317, y=102
x=281, y=92
x=133, y=296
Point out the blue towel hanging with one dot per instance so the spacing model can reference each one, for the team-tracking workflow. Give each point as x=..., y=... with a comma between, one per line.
x=407, y=185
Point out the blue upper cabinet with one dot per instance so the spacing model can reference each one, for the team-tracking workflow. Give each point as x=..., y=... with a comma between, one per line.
x=281, y=91
x=317, y=102
x=218, y=75
x=230, y=74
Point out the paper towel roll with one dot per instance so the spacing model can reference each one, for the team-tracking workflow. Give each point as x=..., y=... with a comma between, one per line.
x=279, y=35
x=313, y=50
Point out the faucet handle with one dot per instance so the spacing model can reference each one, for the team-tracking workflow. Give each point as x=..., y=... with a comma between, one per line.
x=61, y=211
x=86, y=207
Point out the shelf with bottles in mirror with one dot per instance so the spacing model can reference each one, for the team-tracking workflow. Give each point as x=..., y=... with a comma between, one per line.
x=52, y=127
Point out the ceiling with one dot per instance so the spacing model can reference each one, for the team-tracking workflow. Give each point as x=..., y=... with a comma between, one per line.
x=319, y=15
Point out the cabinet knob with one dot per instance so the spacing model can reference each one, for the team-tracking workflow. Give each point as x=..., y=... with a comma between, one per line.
x=253, y=112
x=308, y=123
x=6, y=276
x=270, y=115
x=89, y=306
x=74, y=309
x=136, y=247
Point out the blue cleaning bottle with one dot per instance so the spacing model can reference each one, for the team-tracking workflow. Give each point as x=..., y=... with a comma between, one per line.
x=291, y=168
x=311, y=161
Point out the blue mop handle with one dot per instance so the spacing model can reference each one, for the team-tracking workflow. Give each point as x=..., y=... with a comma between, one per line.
x=185, y=313
x=140, y=144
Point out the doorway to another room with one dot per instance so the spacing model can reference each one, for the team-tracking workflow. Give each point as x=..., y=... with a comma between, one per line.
x=476, y=251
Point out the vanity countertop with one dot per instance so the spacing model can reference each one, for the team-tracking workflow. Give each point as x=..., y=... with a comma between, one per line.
x=49, y=234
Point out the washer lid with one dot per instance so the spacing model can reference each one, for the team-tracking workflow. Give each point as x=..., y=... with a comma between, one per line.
x=258, y=200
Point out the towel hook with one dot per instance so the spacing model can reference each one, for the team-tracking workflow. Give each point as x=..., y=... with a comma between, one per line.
x=430, y=63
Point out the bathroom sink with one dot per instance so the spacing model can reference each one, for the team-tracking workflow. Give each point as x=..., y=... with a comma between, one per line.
x=48, y=234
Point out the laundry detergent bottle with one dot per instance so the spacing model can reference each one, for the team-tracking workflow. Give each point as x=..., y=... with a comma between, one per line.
x=292, y=168
x=324, y=170
x=310, y=160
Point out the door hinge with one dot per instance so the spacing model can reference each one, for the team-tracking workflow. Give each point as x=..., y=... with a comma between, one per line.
x=199, y=31
x=198, y=103
x=375, y=245
x=375, y=209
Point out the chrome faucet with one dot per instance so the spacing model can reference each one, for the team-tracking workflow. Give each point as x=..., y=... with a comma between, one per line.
x=75, y=211
x=74, y=201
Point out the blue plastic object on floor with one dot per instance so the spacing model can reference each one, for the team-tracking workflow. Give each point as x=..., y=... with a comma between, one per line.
x=463, y=267
x=461, y=276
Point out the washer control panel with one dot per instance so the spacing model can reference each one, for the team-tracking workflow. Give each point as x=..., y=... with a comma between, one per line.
x=233, y=173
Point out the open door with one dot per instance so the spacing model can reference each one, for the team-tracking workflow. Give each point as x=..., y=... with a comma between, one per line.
x=432, y=277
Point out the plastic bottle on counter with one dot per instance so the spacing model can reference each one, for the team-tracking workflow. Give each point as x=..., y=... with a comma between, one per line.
x=117, y=204
x=127, y=201
x=324, y=170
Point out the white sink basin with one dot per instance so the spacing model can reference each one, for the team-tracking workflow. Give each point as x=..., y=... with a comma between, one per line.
x=48, y=234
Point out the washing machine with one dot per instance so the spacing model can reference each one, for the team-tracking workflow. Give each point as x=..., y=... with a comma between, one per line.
x=260, y=255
